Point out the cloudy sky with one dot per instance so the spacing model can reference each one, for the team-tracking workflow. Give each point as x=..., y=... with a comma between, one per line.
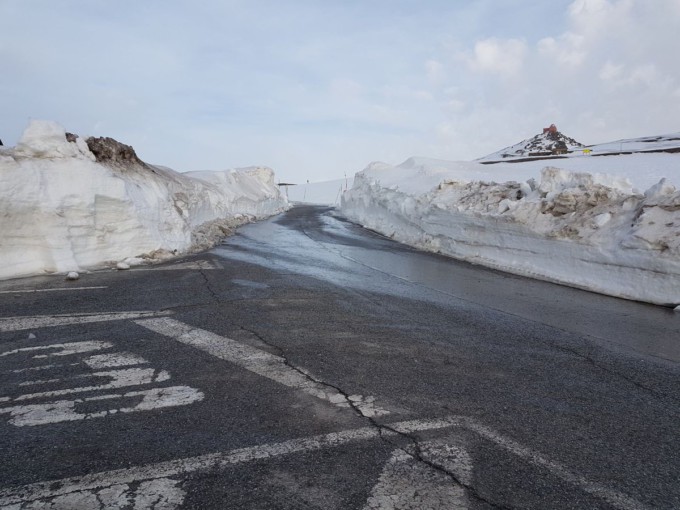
x=317, y=88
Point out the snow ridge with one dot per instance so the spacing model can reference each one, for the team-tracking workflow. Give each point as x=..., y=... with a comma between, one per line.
x=64, y=207
x=589, y=231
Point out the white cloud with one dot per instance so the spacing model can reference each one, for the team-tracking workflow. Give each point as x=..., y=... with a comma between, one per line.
x=345, y=89
x=610, y=71
x=569, y=49
x=434, y=70
x=501, y=56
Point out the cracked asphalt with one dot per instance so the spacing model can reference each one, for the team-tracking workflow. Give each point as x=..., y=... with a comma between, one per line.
x=308, y=363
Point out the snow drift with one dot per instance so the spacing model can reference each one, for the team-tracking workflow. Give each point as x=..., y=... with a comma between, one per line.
x=592, y=231
x=67, y=205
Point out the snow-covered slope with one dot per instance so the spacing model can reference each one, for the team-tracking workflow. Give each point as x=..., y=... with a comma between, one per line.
x=647, y=144
x=590, y=230
x=548, y=145
x=63, y=208
x=550, y=142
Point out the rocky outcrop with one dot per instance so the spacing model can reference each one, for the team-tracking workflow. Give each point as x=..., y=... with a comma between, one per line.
x=110, y=151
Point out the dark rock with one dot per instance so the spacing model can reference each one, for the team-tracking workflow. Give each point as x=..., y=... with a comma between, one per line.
x=108, y=150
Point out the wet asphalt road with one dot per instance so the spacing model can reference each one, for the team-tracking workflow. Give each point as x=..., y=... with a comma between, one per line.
x=308, y=363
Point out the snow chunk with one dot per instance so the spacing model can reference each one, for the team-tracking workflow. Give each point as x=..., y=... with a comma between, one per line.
x=72, y=275
x=660, y=189
x=47, y=139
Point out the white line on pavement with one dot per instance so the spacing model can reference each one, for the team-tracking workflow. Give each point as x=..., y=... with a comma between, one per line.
x=67, y=410
x=43, y=490
x=8, y=324
x=31, y=291
x=43, y=367
x=616, y=499
x=116, y=359
x=118, y=379
x=255, y=360
x=65, y=349
x=49, y=489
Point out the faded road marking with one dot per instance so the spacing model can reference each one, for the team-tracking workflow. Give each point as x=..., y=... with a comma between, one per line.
x=118, y=379
x=161, y=494
x=66, y=410
x=44, y=321
x=43, y=367
x=120, y=375
x=255, y=360
x=614, y=498
x=408, y=484
x=116, y=359
x=97, y=481
x=31, y=291
x=65, y=349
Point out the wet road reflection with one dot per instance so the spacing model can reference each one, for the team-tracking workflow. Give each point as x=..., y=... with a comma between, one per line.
x=313, y=241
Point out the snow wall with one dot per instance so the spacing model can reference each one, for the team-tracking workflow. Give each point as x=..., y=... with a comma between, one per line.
x=588, y=231
x=63, y=209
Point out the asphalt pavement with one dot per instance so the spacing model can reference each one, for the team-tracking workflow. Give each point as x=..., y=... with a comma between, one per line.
x=308, y=363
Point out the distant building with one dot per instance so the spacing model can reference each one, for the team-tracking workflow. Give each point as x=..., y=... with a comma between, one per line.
x=551, y=129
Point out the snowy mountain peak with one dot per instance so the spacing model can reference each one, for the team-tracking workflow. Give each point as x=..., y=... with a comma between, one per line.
x=548, y=143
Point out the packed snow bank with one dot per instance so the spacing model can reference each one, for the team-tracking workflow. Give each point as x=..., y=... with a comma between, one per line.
x=67, y=205
x=592, y=231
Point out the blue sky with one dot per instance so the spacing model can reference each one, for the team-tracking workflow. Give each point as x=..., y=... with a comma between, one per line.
x=316, y=89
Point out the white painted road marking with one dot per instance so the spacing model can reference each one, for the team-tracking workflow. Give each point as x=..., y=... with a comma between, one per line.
x=120, y=377
x=50, y=489
x=255, y=360
x=65, y=349
x=53, y=488
x=248, y=357
x=66, y=410
x=407, y=484
x=614, y=498
x=116, y=359
x=160, y=494
x=44, y=367
x=31, y=291
x=45, y=321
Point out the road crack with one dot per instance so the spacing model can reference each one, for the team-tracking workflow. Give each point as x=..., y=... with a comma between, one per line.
x=208, y=286
x=386, y=433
